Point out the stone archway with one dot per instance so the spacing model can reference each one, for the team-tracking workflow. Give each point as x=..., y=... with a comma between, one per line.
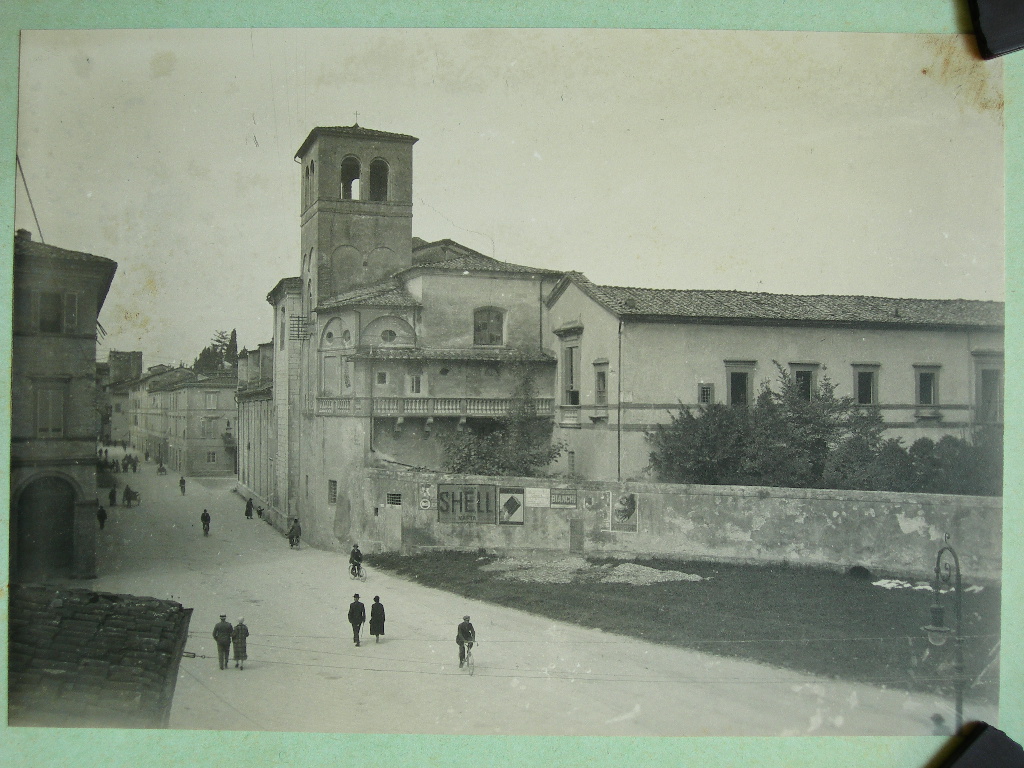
x=43, y=530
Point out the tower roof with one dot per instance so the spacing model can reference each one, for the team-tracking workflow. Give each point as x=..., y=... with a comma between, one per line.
x=354, y=131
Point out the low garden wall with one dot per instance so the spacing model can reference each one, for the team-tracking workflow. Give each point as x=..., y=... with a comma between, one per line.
x=888, y=533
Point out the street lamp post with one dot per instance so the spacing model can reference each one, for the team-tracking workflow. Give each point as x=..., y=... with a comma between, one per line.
x=947, y=571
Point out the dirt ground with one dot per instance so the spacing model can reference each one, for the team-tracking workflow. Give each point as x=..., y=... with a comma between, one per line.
x=533, y=676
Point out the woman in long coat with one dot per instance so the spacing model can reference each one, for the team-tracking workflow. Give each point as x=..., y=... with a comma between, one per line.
x=377, y=619
x=238, y=636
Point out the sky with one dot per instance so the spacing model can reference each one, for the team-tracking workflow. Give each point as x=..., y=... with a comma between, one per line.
x=761, y=161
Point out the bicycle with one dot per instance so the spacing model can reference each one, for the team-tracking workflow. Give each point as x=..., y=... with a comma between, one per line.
x=469, y=657
x=356, y=571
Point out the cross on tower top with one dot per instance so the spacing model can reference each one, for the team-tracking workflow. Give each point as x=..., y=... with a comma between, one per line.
x=356, y=125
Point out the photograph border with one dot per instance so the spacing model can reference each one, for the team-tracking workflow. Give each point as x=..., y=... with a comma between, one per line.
x=85, y=748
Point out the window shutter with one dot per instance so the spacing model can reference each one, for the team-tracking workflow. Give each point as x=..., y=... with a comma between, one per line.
x=23, y=310
x=34, y=310
x=70, y=313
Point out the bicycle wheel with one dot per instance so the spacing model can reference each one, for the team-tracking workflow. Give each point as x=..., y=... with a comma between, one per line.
x=469, y=661
x=362, y=574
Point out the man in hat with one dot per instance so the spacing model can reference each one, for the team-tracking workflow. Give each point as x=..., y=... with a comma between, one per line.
x=356, y=617
x=465, y=637
x=294, y=533
x=222, y=634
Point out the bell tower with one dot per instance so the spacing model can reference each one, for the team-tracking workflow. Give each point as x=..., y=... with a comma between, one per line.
x=356, y=208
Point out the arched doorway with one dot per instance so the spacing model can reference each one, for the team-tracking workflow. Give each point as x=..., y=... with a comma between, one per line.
x=43, y=535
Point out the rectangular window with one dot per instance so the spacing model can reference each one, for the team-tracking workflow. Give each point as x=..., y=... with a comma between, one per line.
x=332, y=491
x=51, y=312
x=865, y=385
x=416, y=384
x=739, y=388
x=805, y=378
x=50, y=402
x=705, y=394
x=601, y=385
x=382, y=377
x=211, y=401
x=804, y=383
x=990, y=395
x=281, y=343
x=346, y=373
x=488, y=327
x=927, y=386
x=571, y=461
x=394, y=499
x=208, y=428
x=570, y=375
x=211, y=457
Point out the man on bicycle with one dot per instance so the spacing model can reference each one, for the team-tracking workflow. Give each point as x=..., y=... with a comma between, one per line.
x=465, y=637
x=355, y=560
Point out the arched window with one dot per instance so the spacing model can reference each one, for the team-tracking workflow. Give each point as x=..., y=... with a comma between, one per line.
x=488, y=326
x=379, y=180
x=350, y=179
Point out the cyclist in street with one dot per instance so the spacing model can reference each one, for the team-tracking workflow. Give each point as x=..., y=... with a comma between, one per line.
x=465, y=637
x=355, y=560
x=205, y=520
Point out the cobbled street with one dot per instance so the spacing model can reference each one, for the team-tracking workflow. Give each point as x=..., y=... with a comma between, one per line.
x=533, y=676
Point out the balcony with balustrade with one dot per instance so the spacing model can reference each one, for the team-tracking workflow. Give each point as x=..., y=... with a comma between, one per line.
x=426, y=407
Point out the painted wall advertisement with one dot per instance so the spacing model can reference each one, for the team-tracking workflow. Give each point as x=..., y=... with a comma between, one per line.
x=511, y=506
x=564, y=498
x=467, y=504
x=538, y=497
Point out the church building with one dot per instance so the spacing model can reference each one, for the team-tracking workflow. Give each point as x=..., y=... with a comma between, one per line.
x=384, y=343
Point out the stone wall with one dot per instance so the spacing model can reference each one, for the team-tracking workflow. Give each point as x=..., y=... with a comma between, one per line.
x=891, y=533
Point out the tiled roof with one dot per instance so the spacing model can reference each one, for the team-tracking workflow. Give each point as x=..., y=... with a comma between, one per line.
x=25, y=247
x=466, y=259
x=787, y=308
x=81, y=658
x=387, y=293
x=481, y=354
x=355, y=131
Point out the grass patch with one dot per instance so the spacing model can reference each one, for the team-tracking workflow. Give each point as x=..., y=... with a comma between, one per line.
x=801, y=618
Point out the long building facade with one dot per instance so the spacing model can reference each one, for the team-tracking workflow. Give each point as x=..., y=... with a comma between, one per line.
x=385, y=344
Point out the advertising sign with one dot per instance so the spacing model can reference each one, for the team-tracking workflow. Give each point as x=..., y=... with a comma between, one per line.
x=564, y=498
x=467, y=504
x=625, y=515
x=538, y=497
x=511, y=506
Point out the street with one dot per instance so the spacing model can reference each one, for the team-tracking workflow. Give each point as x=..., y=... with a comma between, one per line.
x=532, y=677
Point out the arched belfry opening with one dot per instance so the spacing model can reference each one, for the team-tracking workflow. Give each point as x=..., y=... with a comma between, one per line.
x=379, y=180
x=350, y=178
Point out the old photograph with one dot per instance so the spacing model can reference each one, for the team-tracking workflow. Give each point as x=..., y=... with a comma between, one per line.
x=662, y=395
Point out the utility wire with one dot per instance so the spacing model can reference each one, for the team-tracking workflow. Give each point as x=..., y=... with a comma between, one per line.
x=39, y=229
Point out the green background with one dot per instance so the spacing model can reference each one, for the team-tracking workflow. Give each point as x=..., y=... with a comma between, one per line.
x=111, y=748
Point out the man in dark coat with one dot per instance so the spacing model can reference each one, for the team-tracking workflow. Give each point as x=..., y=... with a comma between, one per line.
x=205, y=520
x=466, y=635
x=181, y=484
x=248, y=509
x=294, y=533
x=238, y=636
x=112, y=497
x=356, y=617
x=377, y=618
x=101, y=516
x=355, y=560
x=222, y=634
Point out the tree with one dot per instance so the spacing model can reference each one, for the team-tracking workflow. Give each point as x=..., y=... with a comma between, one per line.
x=519, y=443
x=221, y=352
x=784, y=439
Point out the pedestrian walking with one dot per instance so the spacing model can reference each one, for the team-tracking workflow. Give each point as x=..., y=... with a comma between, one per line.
x=356, y=617
x=465, y=635
x=112, y=496
x=205, y=520
x=146, y=454
x=238, y=636
x=294, y=533
x=222, y=634
x=181, y=484
x=377, y=618
x=127, y=496
x=101, y=516
x=248, y=509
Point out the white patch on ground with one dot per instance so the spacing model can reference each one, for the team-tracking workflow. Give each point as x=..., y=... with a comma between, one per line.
x=920, y=585
x=631, y=573
x=565, y=570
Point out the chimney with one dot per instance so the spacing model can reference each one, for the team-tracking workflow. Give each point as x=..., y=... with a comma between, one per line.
x=22, y=234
